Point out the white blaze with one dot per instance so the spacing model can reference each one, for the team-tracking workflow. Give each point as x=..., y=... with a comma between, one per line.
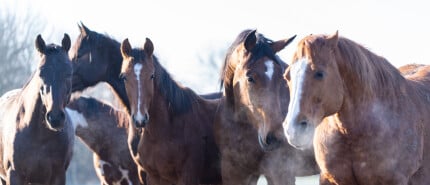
x=137, y=70
x=269, y=69
x=77, y=118
x=297, y=75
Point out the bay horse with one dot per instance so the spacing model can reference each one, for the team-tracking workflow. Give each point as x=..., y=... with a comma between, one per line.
x=248, y=126
x=97, y=58
x=177, y=144
x=104, y=130
x=36, y=137
x=368, y=124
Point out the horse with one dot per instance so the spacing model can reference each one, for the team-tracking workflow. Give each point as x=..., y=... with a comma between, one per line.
x=36, y=137
x=104, y=130
x=366, y=121
x=97, y=58
x=177, y=143
x=410, y=69
x=248, y=126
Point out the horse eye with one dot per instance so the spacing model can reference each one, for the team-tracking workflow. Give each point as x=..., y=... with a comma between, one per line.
x=319, y=75
x=152, y=76
x=250, y=79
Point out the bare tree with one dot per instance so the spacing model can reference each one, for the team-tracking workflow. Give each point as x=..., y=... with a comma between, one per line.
x=17, y=35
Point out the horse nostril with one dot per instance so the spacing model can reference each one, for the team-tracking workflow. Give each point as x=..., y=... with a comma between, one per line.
x=146, y=118
x=62, y=116
x=49, y=116
x=270, y=139
x=303, y=124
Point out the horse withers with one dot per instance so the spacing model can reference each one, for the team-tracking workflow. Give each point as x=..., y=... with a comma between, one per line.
x=366, y=121
x=36, y=136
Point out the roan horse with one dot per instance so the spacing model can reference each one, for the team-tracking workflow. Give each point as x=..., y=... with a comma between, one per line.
x=36, y=138
x=369, y=122
x=177, y=144
x=251, y=113
x=104, y=130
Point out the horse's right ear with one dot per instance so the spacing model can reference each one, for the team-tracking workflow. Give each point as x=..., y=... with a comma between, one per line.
x=84, y=29
x=148, y=47
x=125, y=48
x=40, y=44
x=333, y=39
x=251, y=40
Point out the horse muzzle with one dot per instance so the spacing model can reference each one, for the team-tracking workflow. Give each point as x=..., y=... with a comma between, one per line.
x=56, y=120
x=140, y=121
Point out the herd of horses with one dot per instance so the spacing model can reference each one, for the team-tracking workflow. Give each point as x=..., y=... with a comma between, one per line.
x=337, y=110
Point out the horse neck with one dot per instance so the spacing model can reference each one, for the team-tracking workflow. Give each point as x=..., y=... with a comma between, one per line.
x=31, y=103
x=112, y=50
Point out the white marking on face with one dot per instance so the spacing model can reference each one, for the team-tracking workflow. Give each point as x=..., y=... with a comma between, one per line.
x=77, y=118
x=297, y=75
x=269, y=69
x=137, y=70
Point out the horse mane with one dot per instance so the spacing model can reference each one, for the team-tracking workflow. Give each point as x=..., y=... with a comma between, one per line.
x=262, y=48
x=179, y=98
x=376, y=75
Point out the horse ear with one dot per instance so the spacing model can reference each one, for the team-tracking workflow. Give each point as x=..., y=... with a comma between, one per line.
x=40, y=44
x=148, y=47
x=281, y=44
x=333, y=39
x=125, y=48
x=251, y=40
x=65, y=43
x=84, y=29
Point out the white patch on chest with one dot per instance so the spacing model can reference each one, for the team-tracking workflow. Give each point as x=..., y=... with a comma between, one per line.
x=269, y=69
x=77, y=118
x=137, y=70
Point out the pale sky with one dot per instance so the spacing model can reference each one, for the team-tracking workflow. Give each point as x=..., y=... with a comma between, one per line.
x=182, y=30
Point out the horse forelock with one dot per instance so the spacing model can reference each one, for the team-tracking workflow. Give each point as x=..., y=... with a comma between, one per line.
x=260, y=50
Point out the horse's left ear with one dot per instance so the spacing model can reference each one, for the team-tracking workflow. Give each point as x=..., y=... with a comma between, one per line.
x=281, y=44
x=148, y=47
x=251, y=40
x=125, y=48
x=65, y=43
x=40, y=44
x=333, y=39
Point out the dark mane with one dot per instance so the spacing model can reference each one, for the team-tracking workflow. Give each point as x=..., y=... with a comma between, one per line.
x=104, y=40
x=374, y=73
x=178, y=98
x=261, y=49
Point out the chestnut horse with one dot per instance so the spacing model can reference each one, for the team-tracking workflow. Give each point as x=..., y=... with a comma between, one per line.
x=36, y=138
x=177, y=144
x=248, y=126
x=104, y=130
x=368, y=123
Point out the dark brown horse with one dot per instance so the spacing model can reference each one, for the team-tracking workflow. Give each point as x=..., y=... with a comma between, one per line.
x=36, y=138
x=104, y=130
x=249, y=123
x=177, y=144
x=368, y=123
